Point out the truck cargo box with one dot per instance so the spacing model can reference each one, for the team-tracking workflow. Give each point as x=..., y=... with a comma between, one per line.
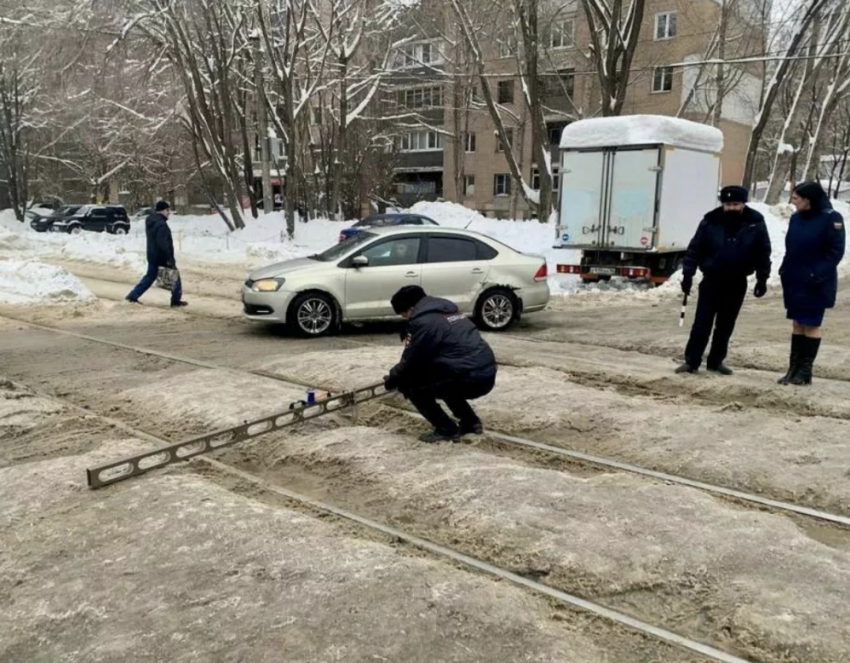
x=636, y=185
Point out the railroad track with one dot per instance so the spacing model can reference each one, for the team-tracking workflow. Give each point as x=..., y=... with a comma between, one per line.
x=436, y=550
x=748, y=498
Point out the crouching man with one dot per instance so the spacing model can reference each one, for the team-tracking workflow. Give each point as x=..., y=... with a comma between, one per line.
x=444, y=358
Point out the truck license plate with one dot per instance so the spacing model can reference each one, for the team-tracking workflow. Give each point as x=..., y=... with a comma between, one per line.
x=603, y=271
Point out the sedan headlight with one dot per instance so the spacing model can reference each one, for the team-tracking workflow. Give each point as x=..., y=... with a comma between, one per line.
x=267, y=285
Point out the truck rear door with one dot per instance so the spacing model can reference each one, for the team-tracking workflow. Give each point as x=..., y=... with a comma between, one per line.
x=633, y=195
x=583, y=180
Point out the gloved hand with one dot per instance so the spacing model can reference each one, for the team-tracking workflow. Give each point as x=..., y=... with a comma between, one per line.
x=761, y=289
x=390, y=383
x=687, y=284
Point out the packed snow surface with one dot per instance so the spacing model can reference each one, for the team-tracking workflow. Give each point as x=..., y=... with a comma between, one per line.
x=641, y=130
x=33, y=282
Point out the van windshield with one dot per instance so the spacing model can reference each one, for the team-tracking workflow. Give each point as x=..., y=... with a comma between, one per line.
x=342, y=249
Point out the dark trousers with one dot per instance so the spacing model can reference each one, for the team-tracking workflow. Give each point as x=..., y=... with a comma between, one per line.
x=149, y=279
x=718, y=307
x=456, y=394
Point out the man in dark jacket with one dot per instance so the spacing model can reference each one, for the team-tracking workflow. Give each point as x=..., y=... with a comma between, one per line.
x=444, y=358
x=730, y=244
x=160, y=254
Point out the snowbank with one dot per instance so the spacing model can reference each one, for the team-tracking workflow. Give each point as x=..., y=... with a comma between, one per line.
x=641, y=130
x=33, y=282
x=206, y=240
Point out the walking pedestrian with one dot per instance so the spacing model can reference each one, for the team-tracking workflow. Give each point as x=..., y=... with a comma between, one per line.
x=814, y=246
x=730, y=244
x=444, y=358
x=160, y=253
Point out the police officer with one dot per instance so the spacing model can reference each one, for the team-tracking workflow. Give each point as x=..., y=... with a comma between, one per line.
x=444, y=358
x=814, y=246
x=730, y=244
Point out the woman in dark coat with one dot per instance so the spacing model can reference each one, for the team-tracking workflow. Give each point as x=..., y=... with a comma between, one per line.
x=814, y=246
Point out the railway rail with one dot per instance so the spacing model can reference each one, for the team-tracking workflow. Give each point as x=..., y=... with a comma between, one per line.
x=180, y=451
x=436, y=550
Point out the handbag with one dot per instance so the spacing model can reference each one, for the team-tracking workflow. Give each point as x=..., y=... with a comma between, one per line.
x=166, y=277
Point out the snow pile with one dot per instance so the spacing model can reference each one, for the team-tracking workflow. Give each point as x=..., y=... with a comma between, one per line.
x=105, y=249
x=33, y=282
x=641, y=130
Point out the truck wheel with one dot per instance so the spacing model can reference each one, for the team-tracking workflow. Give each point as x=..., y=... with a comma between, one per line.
x=312, y=315
x=496, y=310
x=76, y=230
x=120, y=230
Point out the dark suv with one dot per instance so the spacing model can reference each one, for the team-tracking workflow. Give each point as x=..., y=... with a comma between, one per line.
x=96, y=218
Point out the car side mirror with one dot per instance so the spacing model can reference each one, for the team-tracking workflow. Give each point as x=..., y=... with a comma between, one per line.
x=360, y=261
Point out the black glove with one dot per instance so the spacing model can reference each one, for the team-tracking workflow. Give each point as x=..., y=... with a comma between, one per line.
x=760, y=290
x=390, y=383
x=687, y=284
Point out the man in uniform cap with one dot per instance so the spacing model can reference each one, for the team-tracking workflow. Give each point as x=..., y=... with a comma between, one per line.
x=444, y=358
x=730, y=244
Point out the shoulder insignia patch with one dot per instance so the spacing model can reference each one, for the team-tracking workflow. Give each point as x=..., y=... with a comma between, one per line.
x=838, y=225
x=408, y=340
x=457, y=317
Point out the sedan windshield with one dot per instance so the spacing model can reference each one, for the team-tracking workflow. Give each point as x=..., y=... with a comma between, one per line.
x=342, y=249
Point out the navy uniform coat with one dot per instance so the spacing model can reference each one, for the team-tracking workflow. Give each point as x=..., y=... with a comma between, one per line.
x=814, y=246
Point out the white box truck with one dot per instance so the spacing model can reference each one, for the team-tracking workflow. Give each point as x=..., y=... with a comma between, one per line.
x=633, y=191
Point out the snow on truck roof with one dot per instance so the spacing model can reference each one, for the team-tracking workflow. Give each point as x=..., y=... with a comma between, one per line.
x=641, y=130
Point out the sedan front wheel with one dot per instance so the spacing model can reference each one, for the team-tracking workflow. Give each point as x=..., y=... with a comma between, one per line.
x=312, y=315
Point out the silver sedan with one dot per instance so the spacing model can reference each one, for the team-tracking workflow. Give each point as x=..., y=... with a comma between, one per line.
x=353, y=281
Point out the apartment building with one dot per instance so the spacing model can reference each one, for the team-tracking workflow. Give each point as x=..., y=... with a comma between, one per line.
x=458, y=156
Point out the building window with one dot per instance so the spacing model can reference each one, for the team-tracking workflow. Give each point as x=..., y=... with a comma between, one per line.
x=507, y=47
x=502, y=185
x=499, y=145
x=556, y=179
x=563, y=34
x=662, y=79
x=506, y=92
x=469, y=141
x=422, y=141
x=558, y=83
x=665, y=25
x=418, y=55
x=555, y=134
x=469, y=185
x=423, y=97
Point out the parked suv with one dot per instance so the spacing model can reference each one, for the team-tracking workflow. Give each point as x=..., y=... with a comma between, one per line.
x=97, y=218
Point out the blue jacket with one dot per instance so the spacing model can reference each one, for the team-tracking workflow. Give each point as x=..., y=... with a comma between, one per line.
x=160, y=244
x=730, y=246
x=814, y=246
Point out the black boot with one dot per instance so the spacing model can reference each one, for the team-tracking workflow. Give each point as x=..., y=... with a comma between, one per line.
x=794, y=360
x=808, y=353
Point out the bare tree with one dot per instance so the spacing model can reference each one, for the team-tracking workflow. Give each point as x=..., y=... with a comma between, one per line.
x=808, y=12
x=19, y=87
x=614, y=33
x=469, y=32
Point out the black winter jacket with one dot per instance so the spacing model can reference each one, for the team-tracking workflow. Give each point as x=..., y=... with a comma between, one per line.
x=727, y=248
x=160, y=243
x=441, y=341
x=814, y=246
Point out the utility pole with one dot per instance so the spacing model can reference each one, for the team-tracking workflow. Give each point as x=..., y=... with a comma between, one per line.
x=263, y=124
